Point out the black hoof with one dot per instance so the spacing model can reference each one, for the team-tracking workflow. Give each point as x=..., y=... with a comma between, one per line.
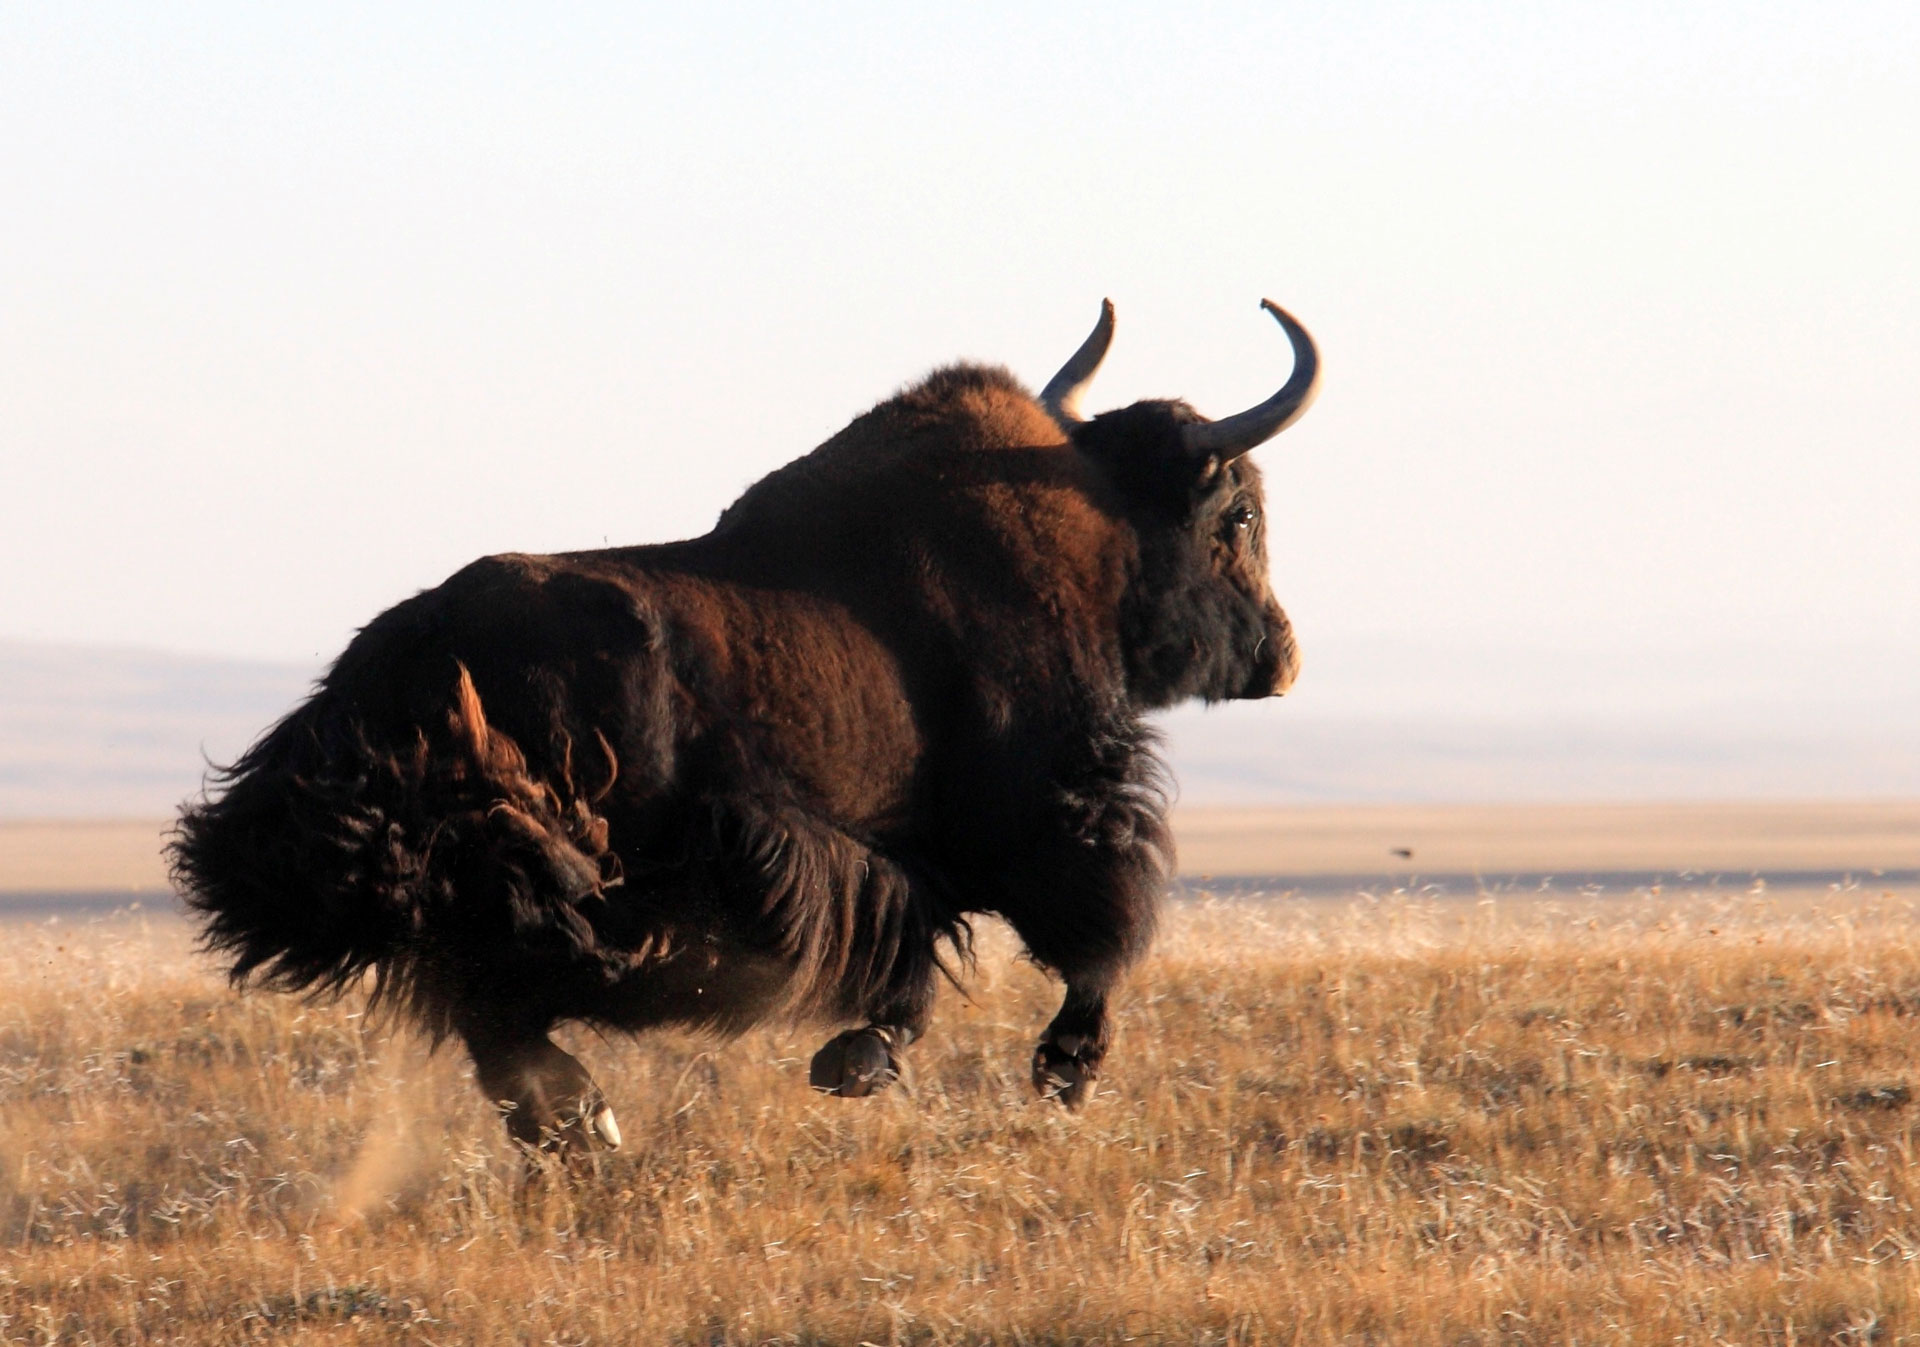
x=855, y=1064
x=1063, y=1075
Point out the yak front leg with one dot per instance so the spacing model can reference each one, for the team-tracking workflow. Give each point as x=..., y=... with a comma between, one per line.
x=858, y=1062
x=893, y=986
x=861, y=1061
x=1067, y=1060
x=546, y=1098
x=1089, y=921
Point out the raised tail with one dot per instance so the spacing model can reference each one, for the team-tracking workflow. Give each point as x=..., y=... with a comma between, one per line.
x=324, y=853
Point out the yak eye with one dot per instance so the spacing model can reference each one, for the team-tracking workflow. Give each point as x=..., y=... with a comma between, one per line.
x=1240, y=515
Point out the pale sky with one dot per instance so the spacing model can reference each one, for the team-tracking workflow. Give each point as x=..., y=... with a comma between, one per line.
x=1619, y=303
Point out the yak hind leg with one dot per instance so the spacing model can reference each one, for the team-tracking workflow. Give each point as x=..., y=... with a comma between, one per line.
x=546, y=1098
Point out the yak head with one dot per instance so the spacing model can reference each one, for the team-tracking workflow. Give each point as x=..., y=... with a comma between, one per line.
x=1198, y=618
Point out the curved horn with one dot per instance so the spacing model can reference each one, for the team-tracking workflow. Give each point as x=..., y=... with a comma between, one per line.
x=1061, y=396
x=1226, y=440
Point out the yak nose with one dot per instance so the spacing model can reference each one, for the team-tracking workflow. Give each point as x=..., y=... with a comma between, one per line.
x=1286, y=664
x=1284, y=676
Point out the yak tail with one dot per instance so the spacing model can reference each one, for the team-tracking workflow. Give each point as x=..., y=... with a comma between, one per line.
x=321, y=854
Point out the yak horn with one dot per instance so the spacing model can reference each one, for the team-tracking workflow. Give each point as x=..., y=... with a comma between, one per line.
x=1061, y=396
x=1227, y=440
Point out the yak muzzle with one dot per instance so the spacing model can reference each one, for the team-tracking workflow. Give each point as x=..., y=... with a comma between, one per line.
x=1277, y=664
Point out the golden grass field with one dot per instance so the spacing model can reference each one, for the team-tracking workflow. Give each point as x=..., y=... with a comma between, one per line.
x=1678, y=1116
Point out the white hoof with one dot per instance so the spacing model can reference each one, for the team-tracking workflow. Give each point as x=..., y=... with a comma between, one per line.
x=608, y=1129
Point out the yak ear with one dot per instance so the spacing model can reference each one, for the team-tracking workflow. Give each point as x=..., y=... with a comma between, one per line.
x=1203, y=472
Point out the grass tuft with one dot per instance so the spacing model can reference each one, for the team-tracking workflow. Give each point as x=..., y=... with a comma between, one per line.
x=1393, y=1119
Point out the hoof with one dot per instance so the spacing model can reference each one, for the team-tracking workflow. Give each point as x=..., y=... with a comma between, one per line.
x=589, y=1129
x=1063, y=1070
x=551, y=1107
x=606, y=1128
x=855, y=1064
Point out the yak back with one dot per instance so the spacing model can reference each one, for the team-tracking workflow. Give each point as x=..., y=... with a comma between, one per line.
x=955, y=520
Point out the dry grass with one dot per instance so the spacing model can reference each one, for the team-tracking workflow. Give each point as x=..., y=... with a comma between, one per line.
x=1676, y=1118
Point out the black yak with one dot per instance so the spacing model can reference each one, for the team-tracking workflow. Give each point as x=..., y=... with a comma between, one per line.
x=772, y=771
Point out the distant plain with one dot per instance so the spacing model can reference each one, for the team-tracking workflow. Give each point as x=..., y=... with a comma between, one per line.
x=1290, y=843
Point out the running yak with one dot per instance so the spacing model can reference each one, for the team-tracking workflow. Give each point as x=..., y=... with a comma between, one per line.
x=772, y=771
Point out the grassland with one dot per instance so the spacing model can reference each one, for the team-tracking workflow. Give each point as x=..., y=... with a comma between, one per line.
x=1679, y=1117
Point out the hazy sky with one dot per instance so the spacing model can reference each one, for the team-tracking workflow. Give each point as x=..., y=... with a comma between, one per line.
x=1619, y=303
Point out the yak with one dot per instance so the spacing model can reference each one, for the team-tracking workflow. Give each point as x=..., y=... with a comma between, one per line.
x=774, y=770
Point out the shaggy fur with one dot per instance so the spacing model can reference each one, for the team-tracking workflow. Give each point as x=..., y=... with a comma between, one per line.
x=769, y=771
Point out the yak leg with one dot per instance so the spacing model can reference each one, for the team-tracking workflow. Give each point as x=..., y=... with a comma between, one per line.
x=546, y=1098
x=1067, y=1060
x=1089, y=917
x=858, y=1062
